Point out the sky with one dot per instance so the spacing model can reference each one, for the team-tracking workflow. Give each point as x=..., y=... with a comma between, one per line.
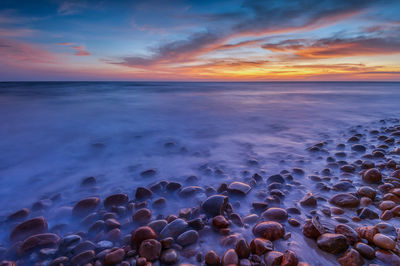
x=234, y=40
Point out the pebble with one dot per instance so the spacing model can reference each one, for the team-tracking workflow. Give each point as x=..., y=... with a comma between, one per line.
x=230, y=258
x=220, y=221
x=366, y=191
x=174, y=228
x=293, y=222
x=150, y=249
x=269, y=230
x=259, y=246
x=215, y=205
x=308, y=200
x=45, y=240
x=372, y=176
x=142, y=216
x=239, y=188
x=187, y=238
x=387, y=257
x=289, y=258
x=169, y=257
x=83, y=258
x=275, y=214
x=85, y=206
x=119, y=199
x=345, y=200
x=114, y=257
x=242, y=249
x=273, y=258
x=142, y=233
x=387, y=205
x=313, y=228
x=365, y=250
x=351, y=257
x=332, y=243
x=211, y=258
x=28, y=228
x=367, y=232
x=143, y=193
x=19, y=215
x=350, y=234
x=384, y=241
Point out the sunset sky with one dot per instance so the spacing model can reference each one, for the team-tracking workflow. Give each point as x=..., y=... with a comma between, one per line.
x=200, y=40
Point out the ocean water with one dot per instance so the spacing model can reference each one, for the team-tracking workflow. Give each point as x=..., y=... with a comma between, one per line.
x=53, y=134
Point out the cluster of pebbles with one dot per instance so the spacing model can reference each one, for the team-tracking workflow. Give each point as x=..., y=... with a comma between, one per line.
x=349, y=212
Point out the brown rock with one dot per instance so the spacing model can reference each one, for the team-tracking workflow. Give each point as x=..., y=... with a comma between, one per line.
x=275, y=214
x=332, y=243
x=387, y=257
x=289, y=258
x=366, y=191
x=345, y=200
x=85, y=206
x=215, y=205
x=142, y=216
x=169, y=257
x=367, y=232
x=83, y=258
x=187, y=238
x=384, y=241
x=293, y=222
x=365, y=250
x=350, y=234
x=28, y=228
x=119, y=199
x=273, y=258
x=269, y=230
x=313, y=228
x=351, y=258
x=260, y=246
x=19, y=215
x=386, y=205
x=212, y=258
x=387, y=215
x=372, y=176
x=309, y=200
x=242, y=249
x=220, y=221
x=46, y=240
x=114, y=257
x=150, y=249
x=143, y=193
x=142, y=233
x=230, y=258
x=239, y=188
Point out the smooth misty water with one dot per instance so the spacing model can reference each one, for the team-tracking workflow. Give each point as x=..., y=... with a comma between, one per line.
x=54, y=134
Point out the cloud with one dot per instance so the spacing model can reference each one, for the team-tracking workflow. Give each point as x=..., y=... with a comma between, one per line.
x=18, y=52
x=71, y=7
x=336, y=47
x=79, y=49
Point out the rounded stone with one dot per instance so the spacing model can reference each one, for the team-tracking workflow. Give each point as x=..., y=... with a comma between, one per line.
x=372, y=176
x=28, y=228
x=275, y=214
x=351, y=257
x=350, y=234
x=119, y=199
x=174, y=228
x=365, y=250
x=142, y=216
x=187, y=238
x=143, y=193
x=220, y=221
x=269, y=230
x=259, y=246
x=313, y=228
x=142, y=233
x=85, y=206
x=150, y=249
x=384, y=241
x=332, y=243
x=45, y=240
x=114, y=257
x=230, y=258
x=273, y=258
x=169, y=257
x=242, y=249
x=289, y=258
x=211, y=258
x=215, y=205
x=387, y=257
x=238, y=188
x=83, y=258
x=366, y=191
x=308, y=200
x=345, y=200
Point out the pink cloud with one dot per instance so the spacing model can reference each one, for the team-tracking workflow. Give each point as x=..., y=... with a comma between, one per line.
x=79, y=49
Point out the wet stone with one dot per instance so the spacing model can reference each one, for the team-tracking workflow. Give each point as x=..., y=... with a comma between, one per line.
x=19, y=215
x=89, y=182
x=114, y=257
x=366, y=213
x=275, y=214
x=158, y=225
x=142, y=233
x=150, y=249
x=358, y=148
x=169, y=257
x=215, y=205
x=242, y=249
x=143, y=193
x=276, y=178
x=45, y=240
x=332, y=243
x=269, y=230
x=350, y=234
x=149, y=173
x=293, y=222
x=313, y=228
x=239, y=188
x=142, y=216
x=83, y=258
x=85, y=206
x=384, y=241
x=345, y=200
x=259, y=246
x=372, y=176
x=230, y=258
x=365, y=250
x=366, y=191
x=211, y=258
x=289, y=258
x=174, y=229
x=308, y=200
x=351, y=257
x=348, y=168
x=187, y=238
x=190, y=191
x=273, y=258
x=387, y=257
x=28, y=228
x=220, y=221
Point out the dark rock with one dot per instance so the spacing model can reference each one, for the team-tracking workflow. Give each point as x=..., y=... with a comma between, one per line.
x=215, y=205
x=19, y=215
x=239, y=188
x=143, y=193
x=275, y=178
x=142, y=216
x=230, y=258
x=332, y=243
x=289, y=258
x=366, y=213
x=28, y=228
x=174, y=229
x=387, y=257
x=273, y=258
x=308, y=200
x=114, y=257
x=351, y=257
x=345, y=200
x=220, y=221
x=120, y=199
x=187, y=238
x=275, y=214
x=46, y=240
x=372, y=176
x=365, y=250
x=149, y=173
x=211, y=258
x=269, y=230
x=83, y=258
x=259, y=246
x=88, y=182
x=242, y=249
x=150, y=249
x=366, y=191
x=313, y=228
x=142, y=233
x=169, y=257
x=350, y=234
x=85, y=206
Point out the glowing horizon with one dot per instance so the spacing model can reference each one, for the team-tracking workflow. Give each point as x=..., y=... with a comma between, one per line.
x=247, y=40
